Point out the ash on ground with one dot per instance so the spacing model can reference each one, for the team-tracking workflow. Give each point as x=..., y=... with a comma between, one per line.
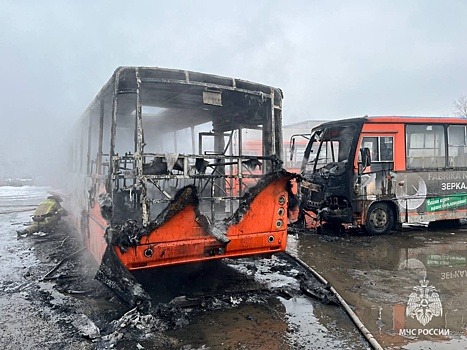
x=50, y=299
x=56, y=299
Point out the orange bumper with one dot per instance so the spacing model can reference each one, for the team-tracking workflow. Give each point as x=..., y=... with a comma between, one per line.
x=260, y=229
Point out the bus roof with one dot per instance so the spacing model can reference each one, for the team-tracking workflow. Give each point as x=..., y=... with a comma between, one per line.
x=414, y=119
x=169, y=98
x=397, y=119
x=156, y=76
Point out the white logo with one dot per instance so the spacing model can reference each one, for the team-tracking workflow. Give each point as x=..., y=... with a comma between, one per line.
x=424, y=303
x=411, y=192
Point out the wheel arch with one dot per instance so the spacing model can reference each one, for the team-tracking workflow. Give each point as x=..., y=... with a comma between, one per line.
x=392, y=204
x=395, y=209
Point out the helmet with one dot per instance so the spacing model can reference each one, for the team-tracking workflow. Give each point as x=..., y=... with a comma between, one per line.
x=56, y=197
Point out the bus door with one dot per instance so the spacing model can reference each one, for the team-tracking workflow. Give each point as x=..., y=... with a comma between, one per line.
x=376, y=178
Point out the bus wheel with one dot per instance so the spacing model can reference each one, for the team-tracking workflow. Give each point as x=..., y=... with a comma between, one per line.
x=379, y=219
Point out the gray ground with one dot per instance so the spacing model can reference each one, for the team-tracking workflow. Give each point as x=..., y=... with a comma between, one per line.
x=70, y=310
x=375, y=275
x=26, y=313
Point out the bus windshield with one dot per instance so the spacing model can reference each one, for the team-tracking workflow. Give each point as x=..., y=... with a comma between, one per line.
x=329, y=149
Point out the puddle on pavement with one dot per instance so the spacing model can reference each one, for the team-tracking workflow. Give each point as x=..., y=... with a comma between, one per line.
x=248, y=326
x=274, y=324
x=257, y=321
x=409, y=288
x=317, y=326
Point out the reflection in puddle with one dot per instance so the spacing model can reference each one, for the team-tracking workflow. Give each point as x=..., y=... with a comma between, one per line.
x=265, y=321
x=408, y=289
x=315, y=326
x=248, y=326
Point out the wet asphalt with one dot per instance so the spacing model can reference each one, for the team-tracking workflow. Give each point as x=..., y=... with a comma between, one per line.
x=408, y=288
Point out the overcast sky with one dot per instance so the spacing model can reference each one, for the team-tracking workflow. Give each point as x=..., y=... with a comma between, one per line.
x=332, y=59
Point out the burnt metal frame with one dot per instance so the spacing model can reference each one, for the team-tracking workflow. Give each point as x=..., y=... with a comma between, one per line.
x=272, y=135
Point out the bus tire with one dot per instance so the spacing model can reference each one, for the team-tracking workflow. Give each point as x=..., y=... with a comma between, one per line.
x=379, y=219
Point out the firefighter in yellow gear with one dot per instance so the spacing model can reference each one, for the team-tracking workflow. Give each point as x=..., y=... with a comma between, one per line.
x=46, y=216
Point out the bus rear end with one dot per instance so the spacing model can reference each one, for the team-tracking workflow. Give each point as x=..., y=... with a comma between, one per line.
x=165, y=176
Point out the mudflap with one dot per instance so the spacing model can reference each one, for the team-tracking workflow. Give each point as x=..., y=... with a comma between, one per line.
x=121, y=282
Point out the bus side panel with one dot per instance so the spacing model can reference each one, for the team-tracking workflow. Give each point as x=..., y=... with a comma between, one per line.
x=432, y=195
x=420, y=196
x=95, y=241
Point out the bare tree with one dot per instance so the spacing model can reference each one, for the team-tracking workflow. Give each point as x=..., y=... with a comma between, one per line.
x=460, y=106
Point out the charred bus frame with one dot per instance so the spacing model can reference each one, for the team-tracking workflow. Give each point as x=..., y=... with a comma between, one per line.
x=380, y=172
x=158, y=175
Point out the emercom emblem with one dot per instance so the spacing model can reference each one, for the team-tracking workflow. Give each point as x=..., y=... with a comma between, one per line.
x=424, y=303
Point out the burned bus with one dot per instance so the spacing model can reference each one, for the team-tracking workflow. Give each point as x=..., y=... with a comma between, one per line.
x=158, y=174
x=377, y=173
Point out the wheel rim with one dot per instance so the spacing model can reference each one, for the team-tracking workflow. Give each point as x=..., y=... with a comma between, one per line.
x=379, y=219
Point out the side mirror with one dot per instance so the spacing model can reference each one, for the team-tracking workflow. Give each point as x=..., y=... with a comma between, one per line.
x=366, y=157
x=292, y=147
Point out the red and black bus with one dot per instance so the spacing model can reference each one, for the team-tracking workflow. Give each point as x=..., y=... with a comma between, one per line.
x=380, y=172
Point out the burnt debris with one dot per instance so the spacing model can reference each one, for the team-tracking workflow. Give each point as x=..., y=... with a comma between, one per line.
x=120, y=281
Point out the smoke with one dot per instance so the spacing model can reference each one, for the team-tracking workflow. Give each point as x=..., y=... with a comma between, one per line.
x=331, y=59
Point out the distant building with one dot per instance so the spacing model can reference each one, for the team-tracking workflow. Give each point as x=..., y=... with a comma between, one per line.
x=290, y=130
x=303, y=127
